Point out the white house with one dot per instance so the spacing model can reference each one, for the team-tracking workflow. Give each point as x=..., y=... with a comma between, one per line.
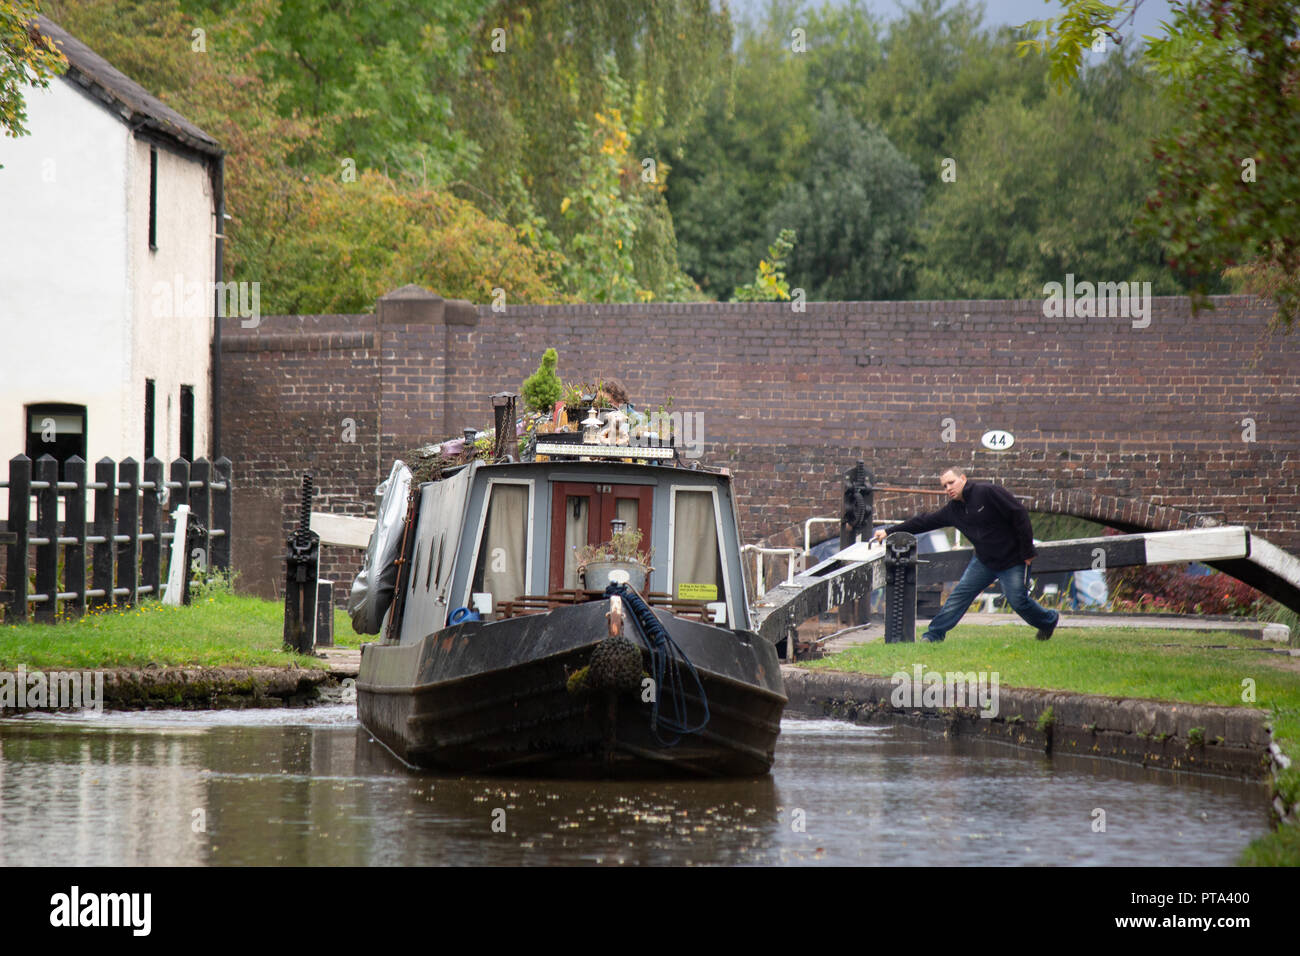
x=112, y=198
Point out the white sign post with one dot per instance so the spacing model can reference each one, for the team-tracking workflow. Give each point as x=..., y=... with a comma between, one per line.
x=179, y=563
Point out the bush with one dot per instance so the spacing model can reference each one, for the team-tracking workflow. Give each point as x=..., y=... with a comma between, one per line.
x=1168, y=588
x=542, y=389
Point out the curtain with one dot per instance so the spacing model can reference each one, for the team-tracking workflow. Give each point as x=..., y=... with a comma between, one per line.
x=628, y=509
x=695, y=548
x=503, y=557
x=575, y=536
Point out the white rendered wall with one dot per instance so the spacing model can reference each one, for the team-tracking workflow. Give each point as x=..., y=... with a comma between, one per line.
x=77, y=320
x=64, y=298
x=172, y=332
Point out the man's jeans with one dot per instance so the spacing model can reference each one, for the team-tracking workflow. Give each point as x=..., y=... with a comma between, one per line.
x=975, y=579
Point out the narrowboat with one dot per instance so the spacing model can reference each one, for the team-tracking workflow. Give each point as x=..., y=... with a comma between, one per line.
x=502, y=653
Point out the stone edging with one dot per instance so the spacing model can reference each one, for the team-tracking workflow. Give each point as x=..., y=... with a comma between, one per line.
x=201, y=688
x=1228, y=740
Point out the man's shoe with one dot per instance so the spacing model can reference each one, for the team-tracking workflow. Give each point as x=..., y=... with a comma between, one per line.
x=931, y=640
x=1045, y=633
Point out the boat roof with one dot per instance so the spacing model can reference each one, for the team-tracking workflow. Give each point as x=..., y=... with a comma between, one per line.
x=604, y=464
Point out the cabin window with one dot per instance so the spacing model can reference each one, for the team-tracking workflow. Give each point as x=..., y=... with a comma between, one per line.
x=502, y=568
x=697, y=562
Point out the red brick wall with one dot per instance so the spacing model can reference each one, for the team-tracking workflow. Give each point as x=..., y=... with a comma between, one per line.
x=1140, y=426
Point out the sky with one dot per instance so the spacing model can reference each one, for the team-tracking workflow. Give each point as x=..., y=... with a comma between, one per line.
x=996, y=12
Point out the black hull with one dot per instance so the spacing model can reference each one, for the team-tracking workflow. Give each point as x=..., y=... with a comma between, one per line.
x=494, y=698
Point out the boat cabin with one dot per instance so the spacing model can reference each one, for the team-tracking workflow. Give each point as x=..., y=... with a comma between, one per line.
x=502, y=540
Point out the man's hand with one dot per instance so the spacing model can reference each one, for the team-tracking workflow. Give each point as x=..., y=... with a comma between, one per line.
x=879, y=535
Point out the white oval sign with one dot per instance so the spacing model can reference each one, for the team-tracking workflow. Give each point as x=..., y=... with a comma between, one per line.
x=998, y=440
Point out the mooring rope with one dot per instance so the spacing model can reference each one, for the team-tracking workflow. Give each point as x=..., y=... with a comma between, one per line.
x=666, y=660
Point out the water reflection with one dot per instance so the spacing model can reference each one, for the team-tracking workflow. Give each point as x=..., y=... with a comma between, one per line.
x=310, y=787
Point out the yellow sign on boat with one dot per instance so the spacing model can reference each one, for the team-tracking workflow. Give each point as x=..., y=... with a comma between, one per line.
x=697, y=592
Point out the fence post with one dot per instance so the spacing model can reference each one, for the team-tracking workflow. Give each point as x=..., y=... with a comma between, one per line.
x=47, y=527
x=221, y=509
x=101, y=553
x=20, y=502
x=201, y=471
x=128, y=524
x=151, y=523
x=74, y=524
x=180, y=476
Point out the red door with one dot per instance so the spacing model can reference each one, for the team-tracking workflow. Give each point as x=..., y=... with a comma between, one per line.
x=581, y=514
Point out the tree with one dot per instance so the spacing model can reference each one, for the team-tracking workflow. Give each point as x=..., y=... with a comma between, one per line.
x=26, y=59
x=1227, y=195
x=854, y=209
x=1046, y=189
x=539, y=73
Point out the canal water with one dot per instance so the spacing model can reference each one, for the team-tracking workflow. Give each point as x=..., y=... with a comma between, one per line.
x=310, y=787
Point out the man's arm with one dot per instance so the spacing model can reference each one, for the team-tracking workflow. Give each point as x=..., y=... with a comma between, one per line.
x=922, y=523
x=1018, y=515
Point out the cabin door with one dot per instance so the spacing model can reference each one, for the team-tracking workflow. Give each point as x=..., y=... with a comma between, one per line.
x=581, y=514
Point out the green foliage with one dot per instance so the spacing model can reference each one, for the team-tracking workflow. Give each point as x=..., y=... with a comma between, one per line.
x=748, y=145
x=338, y=246
x=542, y=389
x=1227, y=196
x=940, y=65
x=770, y=283
x=1046, y=720
x=854, y=208
x=1064, y=39
x=1023, y=211
x=25, y=60
x=1228, y=190
x=567, y=80
x=376, y=77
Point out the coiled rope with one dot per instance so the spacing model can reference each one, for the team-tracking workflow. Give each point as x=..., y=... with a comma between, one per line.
x=666, y=663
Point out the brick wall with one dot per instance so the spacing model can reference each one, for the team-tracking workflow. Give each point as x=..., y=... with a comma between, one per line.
x=1133, y=427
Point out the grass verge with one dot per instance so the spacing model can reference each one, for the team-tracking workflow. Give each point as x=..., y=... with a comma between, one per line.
x=219, y=629
x=1199, y=667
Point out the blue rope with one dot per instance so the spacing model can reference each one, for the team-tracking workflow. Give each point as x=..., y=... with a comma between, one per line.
x=666, y=660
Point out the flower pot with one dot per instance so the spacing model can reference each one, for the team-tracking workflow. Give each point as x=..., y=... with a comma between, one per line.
x=596, y=575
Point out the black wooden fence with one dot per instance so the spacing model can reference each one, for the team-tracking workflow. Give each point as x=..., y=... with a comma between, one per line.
x=130, y=523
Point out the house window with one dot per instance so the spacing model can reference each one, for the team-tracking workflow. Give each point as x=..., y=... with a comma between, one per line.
x=148, y=417
x=58, y=430
x=187, y=422
x=153, y=198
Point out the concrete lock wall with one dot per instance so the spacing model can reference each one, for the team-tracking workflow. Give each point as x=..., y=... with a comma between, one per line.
x=1161, y=424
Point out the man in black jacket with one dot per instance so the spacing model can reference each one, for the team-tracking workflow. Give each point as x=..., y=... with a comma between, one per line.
x=998, y=528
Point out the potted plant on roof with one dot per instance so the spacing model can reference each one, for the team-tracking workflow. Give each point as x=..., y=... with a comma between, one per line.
x=622, y=552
